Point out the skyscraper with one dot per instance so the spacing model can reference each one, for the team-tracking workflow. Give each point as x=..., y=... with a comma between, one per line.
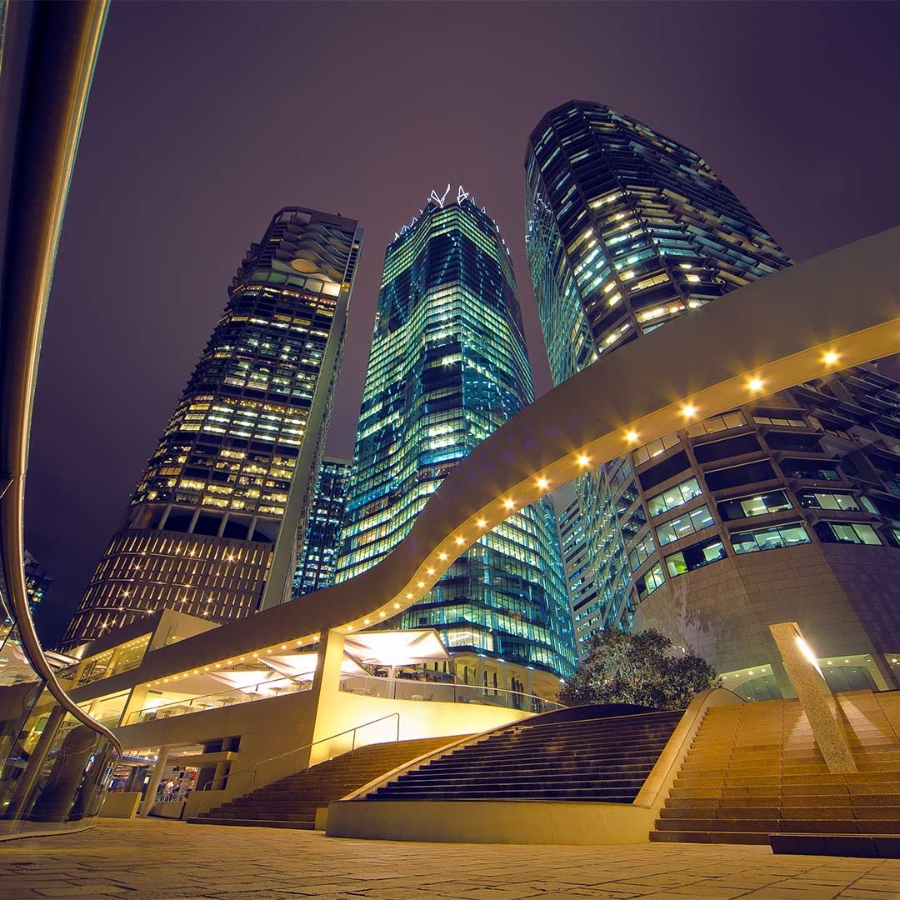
x=37, y=582
x=628, y=229
x=448, y=366
x=200, y=530
x=316, y=562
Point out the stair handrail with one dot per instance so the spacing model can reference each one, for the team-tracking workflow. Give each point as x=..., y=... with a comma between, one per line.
x=308, y=746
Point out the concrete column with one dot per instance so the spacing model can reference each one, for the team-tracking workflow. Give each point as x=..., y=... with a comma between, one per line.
x=882, y=674
x=529, y=681
x=325, y=687
x=504, y=678
x=58, y=796
x=815, y=697
x=155, y=779
x=219, y=776
x=165, y=517
x=134, y=703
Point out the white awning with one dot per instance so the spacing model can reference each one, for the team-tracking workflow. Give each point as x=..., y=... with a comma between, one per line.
x=303, y=665
x=396, y=648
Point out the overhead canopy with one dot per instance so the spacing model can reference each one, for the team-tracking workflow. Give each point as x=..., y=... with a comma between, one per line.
x=303, y=665
x=396, y=648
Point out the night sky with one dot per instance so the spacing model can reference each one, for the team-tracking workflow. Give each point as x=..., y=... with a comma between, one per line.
x=206, y=118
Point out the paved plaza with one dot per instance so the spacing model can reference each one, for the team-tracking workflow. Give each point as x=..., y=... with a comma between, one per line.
x=158, y=860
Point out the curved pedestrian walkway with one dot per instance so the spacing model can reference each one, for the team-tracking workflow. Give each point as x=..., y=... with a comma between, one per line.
x=159, y=860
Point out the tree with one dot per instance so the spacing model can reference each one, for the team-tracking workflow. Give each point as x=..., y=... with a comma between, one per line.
x=641, y=667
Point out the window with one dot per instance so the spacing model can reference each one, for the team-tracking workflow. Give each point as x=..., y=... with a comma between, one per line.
x=654, y=448
x=827, y=500
x=635, y=523
x=674, y=496
x=642, y=551
x=737, y=476
x=793, y=442
x=664, y=470
x=756, y=505
x=650, y=582
x=846, y=533
x=825, y=470
x=769, y=538
x=716, y=423
x=695, y=557
x=736, y=446
x=683, y=525
x=776, y=420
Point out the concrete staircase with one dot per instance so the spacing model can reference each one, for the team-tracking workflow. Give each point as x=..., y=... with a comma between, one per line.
x=292, y=802
x=578, y=758
x=754, y=770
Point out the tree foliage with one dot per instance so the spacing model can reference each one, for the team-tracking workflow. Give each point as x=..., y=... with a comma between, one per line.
x=641, y=667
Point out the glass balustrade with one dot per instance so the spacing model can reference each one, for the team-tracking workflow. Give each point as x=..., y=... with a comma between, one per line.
x=364, y=685
x=445, y=692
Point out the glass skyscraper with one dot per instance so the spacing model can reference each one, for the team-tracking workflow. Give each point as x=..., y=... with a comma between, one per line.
x=199, y=533
x=628, y=229
x=447, y=367
x=316, y=561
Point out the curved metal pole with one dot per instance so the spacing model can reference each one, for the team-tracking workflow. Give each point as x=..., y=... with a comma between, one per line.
x=42, y=105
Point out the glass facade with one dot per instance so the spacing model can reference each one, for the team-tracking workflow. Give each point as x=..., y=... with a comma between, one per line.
x=53, y=770
x=628, y=229
x=316, y=562
x=37, y=581
x=447, y=367
x=199, y=534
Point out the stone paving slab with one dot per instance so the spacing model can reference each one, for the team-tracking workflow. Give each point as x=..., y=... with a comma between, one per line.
x=164, y=860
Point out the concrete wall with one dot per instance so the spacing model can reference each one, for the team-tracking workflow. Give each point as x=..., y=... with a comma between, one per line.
x=418, y=719
x=492, y=822
x=280, y=725
x=121, y=805
x=846, y=599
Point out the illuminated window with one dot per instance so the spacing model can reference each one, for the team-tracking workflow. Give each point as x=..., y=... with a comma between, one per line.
x=846, y=533
x=695, y=557
x=771, y=538
x=674, y=496
x=683, y=525
x=827, y=500
x=754, y=505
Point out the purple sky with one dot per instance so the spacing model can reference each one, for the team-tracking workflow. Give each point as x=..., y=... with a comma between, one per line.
x=206, y=118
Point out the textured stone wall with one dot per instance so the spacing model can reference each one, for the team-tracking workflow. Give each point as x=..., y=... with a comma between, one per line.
x=845, y=598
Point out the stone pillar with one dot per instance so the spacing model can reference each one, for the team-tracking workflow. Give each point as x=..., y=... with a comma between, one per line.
x=815, y=697
x=54, y=804
x=155, y=779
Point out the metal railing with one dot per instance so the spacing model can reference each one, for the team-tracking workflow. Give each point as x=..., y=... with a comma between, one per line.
x=445, y=692
x=351, y=731
x=227, y=697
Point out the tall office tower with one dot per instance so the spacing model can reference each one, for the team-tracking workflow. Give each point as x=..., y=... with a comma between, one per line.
x=37, y=582
x=316, y=562
x=200, y=531
x=628, y=229
x=448, y=366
